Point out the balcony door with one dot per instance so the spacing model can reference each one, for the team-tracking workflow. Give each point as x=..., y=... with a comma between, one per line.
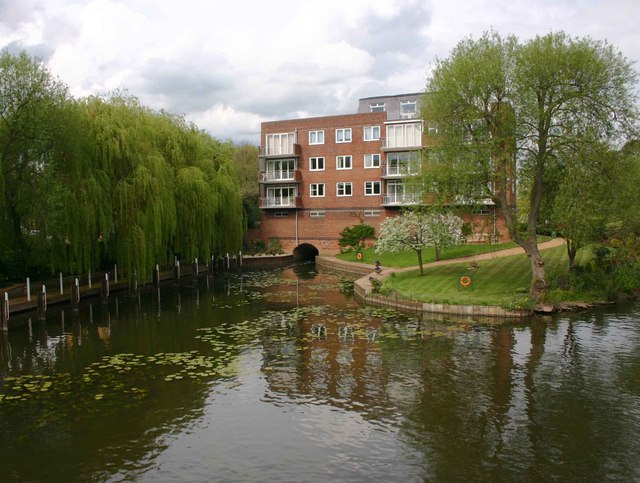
x=395, y=192
x=280, y=169
x=282, y=195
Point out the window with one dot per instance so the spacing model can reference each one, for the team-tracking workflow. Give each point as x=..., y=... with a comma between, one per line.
x=284, y=195
x=343, y=162
x=371, y=160
x=377, y=107
x=407, y=109
x=343, y=189
x=343, y=135
x=372, y=133
x=316, y=137
x=371, y=213
x=481, y=210
x=280, y=169
x=372, y=188
x=432, y=129
x=316, y=164
x=316, y=190
x=280, y=214
x=403, y=164
x=316, y=214
x=403, y=135
x=281, y=143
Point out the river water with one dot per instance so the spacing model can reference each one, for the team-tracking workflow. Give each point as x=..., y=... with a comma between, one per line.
x=281, y=376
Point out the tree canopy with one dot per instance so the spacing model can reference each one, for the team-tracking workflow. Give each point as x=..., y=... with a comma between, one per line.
x=516, y=114
x=416, y=230
x=93, y=181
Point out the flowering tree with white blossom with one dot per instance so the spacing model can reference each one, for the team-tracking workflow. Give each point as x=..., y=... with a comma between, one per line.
x=416, y=230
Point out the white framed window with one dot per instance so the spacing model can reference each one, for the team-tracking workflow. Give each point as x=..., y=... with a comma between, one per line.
x=316, y=214
x=404, y=135
x=316, y=164
x=280, y=143
x=408, y=109
x=371, y=213
x=280, y=214
x=432, y=129
x=372, y=160
x=316, y=190
x=344, y=189
x=316, y=137
x=343, y=135
x=372, y=133
x=343, y=162
x=376, y=107
x=372, y=188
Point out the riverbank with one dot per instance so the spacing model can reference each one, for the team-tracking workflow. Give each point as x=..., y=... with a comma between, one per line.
x=476, y=285
x=22, y=297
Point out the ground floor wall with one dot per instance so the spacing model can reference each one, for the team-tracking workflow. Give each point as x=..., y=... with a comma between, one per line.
x=321, y=228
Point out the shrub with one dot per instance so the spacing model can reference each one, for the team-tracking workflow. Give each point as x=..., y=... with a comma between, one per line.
x=274, y=247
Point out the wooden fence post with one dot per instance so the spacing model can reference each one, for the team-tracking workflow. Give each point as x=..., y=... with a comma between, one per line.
x=4, y=312
x=42, y=303
x=75, y=296
x=104, y=289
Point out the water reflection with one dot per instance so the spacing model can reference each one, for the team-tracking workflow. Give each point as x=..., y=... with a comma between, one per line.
x=280, y=375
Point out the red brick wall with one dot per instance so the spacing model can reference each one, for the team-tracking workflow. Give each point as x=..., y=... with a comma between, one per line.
x=342, y=211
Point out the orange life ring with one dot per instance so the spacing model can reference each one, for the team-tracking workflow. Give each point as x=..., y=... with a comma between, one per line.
x=465, y=280
x=359, y=255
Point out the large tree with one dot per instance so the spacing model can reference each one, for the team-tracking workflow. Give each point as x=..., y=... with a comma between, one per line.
x=507, y=109
x=31, y=117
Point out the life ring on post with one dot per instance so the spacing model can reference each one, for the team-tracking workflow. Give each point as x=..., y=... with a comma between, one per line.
x=465, y=280
x=359, y=256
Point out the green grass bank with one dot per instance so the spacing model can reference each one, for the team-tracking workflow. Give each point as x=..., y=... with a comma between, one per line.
x=498, y=281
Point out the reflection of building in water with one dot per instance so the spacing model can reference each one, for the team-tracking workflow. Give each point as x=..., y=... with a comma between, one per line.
x=348, y=371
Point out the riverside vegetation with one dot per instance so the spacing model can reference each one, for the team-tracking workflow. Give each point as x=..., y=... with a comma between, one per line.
x=88, y=182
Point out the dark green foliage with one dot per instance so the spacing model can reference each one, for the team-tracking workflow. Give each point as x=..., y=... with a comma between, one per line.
x=356, y=235
x=273, y=246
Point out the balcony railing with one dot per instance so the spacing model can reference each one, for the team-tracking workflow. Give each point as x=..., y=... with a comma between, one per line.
x=401, y=144
x=281, y=202
x=277, y=176
x=402, y=199
x=400, y=170
x=280, y=150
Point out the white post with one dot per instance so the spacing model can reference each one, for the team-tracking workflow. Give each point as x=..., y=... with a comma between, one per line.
x=28, y=290
x=61, y=287
x=89, y=278
x=6, y=306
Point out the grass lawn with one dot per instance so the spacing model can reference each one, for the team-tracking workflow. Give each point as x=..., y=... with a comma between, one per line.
x=408, y=258
x=495, y=282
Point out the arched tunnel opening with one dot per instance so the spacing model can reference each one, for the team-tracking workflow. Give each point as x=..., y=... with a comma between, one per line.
x=305, y=251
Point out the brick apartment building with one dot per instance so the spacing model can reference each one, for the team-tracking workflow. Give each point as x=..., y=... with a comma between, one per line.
x=319, y=175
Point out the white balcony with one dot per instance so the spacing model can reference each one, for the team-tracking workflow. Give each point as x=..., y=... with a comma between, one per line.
x=280, y=202
x=400, y=170
x=280, y=176
x=401, y=199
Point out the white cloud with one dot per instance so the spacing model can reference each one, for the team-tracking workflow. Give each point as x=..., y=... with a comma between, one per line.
x=230, y=65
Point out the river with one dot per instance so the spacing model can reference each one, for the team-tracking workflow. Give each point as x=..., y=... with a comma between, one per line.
x=281, y=376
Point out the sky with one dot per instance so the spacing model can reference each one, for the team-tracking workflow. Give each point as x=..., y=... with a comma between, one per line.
x=230, y=65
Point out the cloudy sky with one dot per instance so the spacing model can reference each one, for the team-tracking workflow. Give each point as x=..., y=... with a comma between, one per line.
x=229, y=65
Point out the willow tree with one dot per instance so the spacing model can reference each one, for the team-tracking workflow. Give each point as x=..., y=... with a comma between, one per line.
x=497, y=102
x=141, y=183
